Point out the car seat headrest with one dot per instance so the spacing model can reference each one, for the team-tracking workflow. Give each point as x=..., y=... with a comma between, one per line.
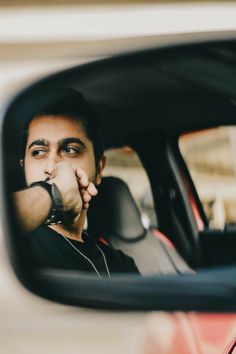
x=114, y=213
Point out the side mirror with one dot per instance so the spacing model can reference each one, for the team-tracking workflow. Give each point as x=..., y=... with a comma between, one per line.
x=123, y=92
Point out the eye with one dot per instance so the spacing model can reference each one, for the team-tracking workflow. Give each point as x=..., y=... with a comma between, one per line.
x=71, y=150
x=38, y=153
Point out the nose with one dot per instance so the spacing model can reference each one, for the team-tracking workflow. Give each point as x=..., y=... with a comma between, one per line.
x=49, y=167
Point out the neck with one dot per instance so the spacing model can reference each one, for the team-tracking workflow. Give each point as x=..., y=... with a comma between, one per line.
x=74, y=230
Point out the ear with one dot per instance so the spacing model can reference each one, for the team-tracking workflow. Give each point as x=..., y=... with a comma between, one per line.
x=100, y=168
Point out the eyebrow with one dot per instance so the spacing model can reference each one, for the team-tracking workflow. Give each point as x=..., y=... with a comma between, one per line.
x=68, y=141
x=41, y=142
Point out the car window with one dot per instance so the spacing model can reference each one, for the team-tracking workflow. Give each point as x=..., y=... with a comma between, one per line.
x=124, y=163
x=211, y=158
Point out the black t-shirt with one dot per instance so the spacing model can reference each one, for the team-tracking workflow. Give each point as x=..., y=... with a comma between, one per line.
x=48, y=249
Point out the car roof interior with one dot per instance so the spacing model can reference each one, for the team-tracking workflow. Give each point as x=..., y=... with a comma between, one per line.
x=176, y=89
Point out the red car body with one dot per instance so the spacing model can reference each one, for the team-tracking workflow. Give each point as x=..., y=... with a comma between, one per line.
x=194, y=333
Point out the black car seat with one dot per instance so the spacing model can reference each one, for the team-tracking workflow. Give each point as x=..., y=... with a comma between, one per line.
x=114, y=218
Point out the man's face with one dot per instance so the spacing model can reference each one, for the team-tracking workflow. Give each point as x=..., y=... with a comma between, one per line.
x=53, y=139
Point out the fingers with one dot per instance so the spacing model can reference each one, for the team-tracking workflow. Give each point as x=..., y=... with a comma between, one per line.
x=92, y=190
x=85, y=196
x=74, y=185
x=82, y=177
x=89, y=192
x=87, y=188
x=85, y=206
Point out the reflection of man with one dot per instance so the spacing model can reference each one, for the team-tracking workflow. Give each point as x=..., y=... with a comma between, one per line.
x=63, y=162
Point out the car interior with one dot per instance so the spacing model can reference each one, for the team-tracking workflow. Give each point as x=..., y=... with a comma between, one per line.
x=145, y=100
x=115, y=218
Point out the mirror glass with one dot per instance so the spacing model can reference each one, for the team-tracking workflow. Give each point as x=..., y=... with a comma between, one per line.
x=83, y=207
x=96, y=183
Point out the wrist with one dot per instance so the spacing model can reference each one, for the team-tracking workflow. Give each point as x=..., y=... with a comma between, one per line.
x=56, y=211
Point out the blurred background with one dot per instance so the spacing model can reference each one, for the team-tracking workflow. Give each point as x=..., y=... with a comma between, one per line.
x=41, y=37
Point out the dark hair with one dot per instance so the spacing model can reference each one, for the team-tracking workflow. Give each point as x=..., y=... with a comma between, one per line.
x=71, y=103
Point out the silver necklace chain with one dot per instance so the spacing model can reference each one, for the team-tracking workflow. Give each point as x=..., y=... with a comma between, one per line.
x=87, y=258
